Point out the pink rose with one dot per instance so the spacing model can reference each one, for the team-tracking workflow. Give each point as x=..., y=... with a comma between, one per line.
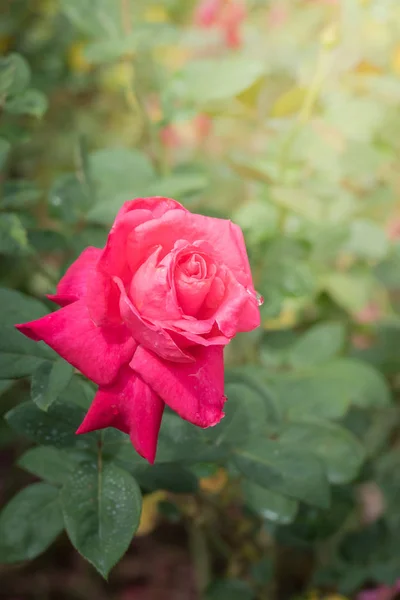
x=226, y=15
x=147, y=317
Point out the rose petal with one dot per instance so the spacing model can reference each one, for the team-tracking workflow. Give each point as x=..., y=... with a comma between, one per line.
x=98, y=352
x=225, y=239
x=195, y=391
x=151, y=291
x=157, y=205
x=131, y=406
x=74, y=283
x=150, y=335
x=102, y=297
x=238, y=310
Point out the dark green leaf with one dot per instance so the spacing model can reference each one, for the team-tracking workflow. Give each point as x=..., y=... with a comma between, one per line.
x=19, y=194
x=49, y=380
x=30, y=523
x=13, y=239
x=173, y=478
x=20, y=356
x=101, y=505
x=180, y=441
x=56, y=427
x=285, y=469
x=29, y=102
x=340, y=452
x=14, y=74
x=327, y=391
x=245, y=415
x=69, y=198
x=269, y=505
x=318, y=345
x=48, y=463
x=18, y=308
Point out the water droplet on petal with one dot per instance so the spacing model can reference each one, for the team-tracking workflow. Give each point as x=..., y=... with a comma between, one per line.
x=259, y=299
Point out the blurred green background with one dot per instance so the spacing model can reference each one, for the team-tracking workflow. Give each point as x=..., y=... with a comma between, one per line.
x=282, y=115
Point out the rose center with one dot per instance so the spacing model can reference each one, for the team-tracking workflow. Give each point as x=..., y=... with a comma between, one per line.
x=193, y=266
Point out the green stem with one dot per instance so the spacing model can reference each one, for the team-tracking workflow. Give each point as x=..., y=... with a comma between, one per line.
x=200, y=556
x=306, y=110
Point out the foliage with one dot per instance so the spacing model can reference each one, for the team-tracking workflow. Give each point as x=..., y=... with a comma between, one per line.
x=295, y=136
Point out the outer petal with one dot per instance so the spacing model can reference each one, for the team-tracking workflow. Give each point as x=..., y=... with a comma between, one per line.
x=195, y=391
x=103, y=296
x=151, y=290
x=74, y=283
x=132, y=214
x=131, y=406
x=98, y=352
x=157, y=205
x=238, y=310
x=223, y=236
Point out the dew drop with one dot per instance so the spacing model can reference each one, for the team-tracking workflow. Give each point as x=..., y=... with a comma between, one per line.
x=259, y=299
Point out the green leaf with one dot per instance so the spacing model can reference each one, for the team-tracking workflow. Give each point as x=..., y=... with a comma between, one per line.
x=298, y=201
x=289, y=103
x=14, y=74
x=20, y=356
x=387, y=476
x=5, y=148
x=29, y=102
x=99, y=18
x=233, y=589
x=211, y=80
x=252, y=378
x=327, y=391
x=18, y=308
x=269, y=505
x=180, y=441
x=338, y=449
x=367, y=240
x=13, y=239
x=285, y=469
x=56, y=427
x=352, y=291
x=79, y=391
x=107, y=50
x=118, y=175
x=101, y=505
x=48, y=463
x=69, y=199
x=258, y=219
x=48, y=381
x=245, y=415
x=179, y=185
x=170, y=477
x=19, y=194
x=30, y=523
x=318, y=345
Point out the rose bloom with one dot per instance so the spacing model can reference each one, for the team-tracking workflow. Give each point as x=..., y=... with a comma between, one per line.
x=226, y=15
x=147, y=317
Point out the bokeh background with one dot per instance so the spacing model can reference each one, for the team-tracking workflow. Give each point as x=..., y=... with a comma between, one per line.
x=283, y=115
